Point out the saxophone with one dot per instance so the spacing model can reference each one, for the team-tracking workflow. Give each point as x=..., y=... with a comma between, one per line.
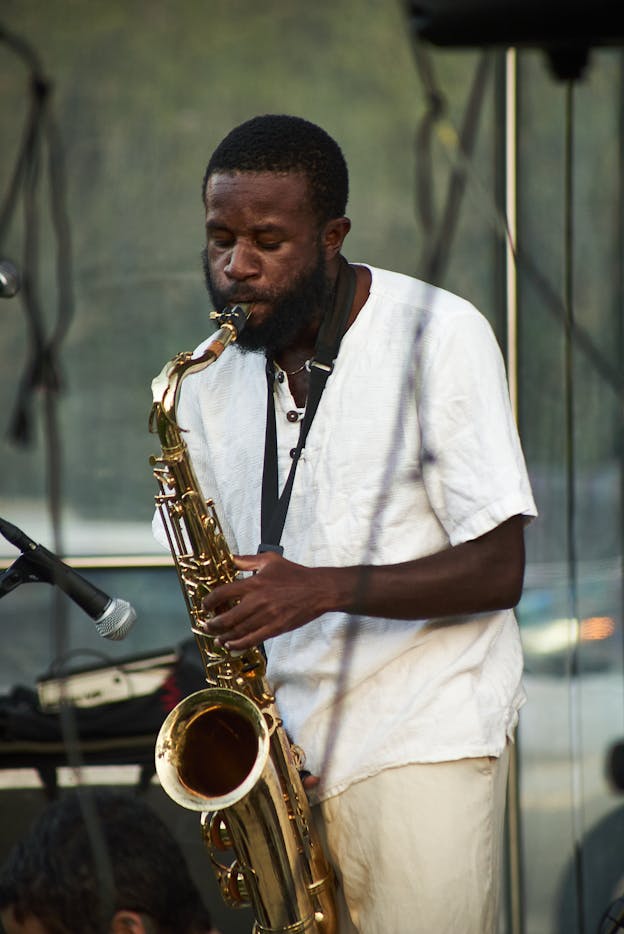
x=223, y=750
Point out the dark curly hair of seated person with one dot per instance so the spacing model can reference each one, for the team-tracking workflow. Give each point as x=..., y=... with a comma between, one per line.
x=94, y=853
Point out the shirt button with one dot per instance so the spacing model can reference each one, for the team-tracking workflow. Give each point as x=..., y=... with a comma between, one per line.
x=280, y=377
x=293, y=451
x=292, y=416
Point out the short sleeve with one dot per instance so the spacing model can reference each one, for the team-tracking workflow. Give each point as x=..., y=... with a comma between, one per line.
x=473, y=466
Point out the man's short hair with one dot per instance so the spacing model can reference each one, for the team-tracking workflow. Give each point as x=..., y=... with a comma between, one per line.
x=282, y=143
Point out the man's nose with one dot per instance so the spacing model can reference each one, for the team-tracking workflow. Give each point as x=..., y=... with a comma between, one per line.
x=242, y=262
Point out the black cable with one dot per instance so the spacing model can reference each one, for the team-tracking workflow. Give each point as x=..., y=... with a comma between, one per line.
x=41, y=147
x=435, y=110
x=42, y=369
x=619, y=293
x=438, y=240
x=570, y=507
x=436, y=117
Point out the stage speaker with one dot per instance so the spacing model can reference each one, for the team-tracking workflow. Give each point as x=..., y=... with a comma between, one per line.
x=565, y=29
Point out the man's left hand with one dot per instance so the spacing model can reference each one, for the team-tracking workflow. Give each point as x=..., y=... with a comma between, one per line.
x=278, y=596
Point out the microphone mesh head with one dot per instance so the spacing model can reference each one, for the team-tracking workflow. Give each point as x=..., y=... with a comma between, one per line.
x=117, y=620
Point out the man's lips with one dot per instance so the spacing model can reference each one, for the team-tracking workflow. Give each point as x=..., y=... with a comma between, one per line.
x=248, y=299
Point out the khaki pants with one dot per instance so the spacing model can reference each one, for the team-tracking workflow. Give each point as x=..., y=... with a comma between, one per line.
x=419, y=849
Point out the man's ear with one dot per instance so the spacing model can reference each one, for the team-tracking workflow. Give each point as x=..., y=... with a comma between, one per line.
x=334, y=234
x=128, y=922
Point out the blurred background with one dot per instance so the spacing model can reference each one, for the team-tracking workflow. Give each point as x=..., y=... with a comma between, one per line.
x=481, y=169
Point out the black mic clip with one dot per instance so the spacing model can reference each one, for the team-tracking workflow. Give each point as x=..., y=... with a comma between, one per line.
x=22, y=571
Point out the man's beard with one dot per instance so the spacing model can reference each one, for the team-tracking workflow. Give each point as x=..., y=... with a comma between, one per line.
x=292, y=312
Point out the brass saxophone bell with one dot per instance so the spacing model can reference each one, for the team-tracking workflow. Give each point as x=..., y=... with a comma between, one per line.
x=212, y=749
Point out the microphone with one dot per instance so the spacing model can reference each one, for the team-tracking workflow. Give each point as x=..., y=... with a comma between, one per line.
x=114, y=618
x=9, y=279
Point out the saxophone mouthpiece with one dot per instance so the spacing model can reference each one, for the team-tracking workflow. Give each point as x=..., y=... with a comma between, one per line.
x=236, y=316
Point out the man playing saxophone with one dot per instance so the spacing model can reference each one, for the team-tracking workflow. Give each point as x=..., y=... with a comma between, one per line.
x=384, y=602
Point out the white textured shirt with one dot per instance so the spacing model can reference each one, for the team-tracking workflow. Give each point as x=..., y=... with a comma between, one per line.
x=413, y=449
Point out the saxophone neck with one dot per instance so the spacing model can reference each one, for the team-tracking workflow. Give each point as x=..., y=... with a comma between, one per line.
x=166, y=386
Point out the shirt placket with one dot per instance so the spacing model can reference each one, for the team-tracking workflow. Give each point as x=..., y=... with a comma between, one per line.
x=288, y=418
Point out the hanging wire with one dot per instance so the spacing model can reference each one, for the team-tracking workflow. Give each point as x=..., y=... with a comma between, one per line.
x=438, y=237
x=41, y=139
x=41, y=147
x=436, y=125
x=574, y=686
x=620, y=292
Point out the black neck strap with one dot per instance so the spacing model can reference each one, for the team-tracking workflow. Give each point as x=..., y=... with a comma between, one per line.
x=274, y=507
